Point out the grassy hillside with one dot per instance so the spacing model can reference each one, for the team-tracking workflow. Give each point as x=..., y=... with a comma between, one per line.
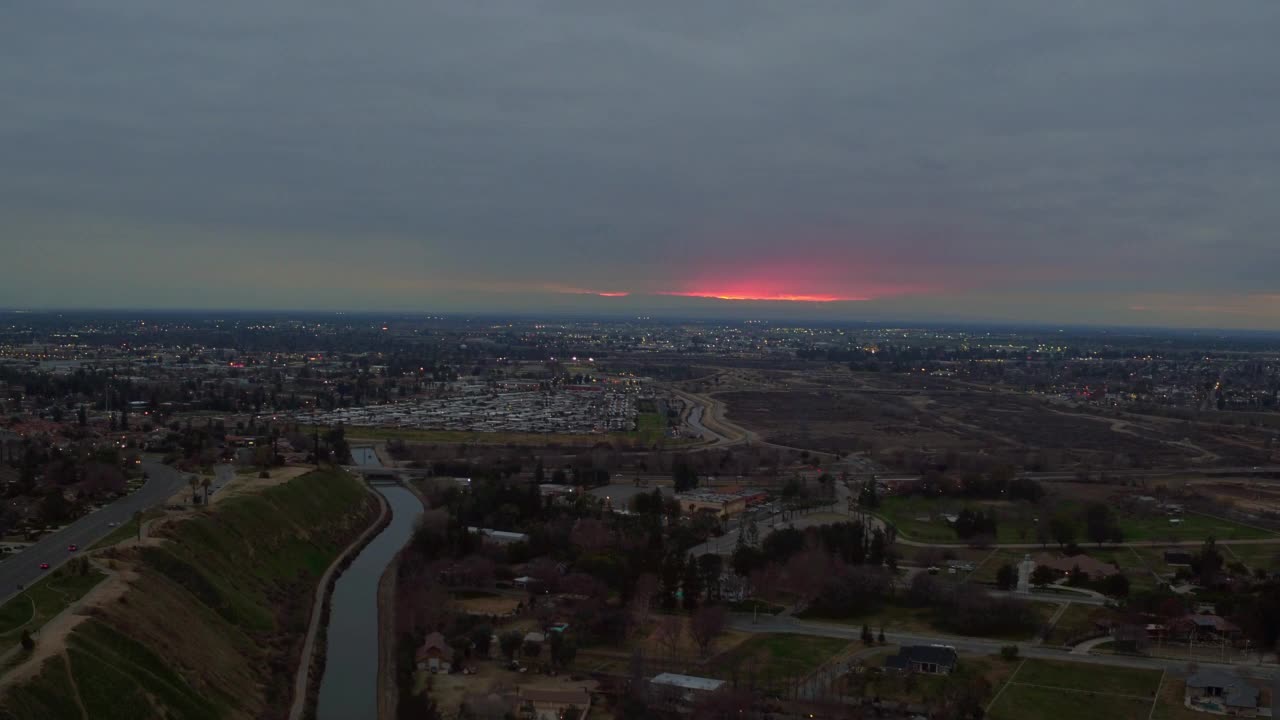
x=213, y=625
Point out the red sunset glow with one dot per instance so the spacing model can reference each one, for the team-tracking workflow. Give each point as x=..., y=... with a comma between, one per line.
x=780, y=297
x=796, y=281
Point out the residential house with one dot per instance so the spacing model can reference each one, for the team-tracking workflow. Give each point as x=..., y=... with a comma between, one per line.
x=677, y=693
x=1204, y=628
x=931, y=659
x=1217, y=691
x=1094, y=568
x=501, y=537
x=435, y=654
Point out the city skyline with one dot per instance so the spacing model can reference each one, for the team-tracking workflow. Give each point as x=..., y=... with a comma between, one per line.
x=864, y=162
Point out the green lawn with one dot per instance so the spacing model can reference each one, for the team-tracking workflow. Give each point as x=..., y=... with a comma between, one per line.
x=49, y=694
x=1077, y=621
x=43, y=600
x=136, y=671
x=986, y=573
x=1114, y=680
x=1266, y=557
x=125, y=531
x=1025, y=702
x=1193, y=528
x=775, y=660
x=905, y=619
x=650, y=427
x=920, y=518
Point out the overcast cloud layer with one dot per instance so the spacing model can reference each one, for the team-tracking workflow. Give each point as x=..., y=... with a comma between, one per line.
x=1094, y=162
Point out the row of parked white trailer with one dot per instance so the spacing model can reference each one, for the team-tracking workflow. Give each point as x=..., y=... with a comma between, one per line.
x=563, y=411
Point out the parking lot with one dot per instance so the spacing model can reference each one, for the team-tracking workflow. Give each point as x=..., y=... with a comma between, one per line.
x=564, y=411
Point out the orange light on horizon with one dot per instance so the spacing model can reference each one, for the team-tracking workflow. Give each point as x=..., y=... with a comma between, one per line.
x=766, y=297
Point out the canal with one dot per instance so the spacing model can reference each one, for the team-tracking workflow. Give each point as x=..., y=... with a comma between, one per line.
x=349, y=688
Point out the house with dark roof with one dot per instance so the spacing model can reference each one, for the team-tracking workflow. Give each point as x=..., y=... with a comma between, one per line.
x=1064, y=564
x=931, y=659
x=1204, y=628
x=1218, y=691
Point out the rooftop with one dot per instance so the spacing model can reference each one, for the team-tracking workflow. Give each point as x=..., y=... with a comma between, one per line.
x=687, y=682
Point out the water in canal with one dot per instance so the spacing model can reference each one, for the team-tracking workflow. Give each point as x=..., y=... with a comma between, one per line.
x=349, y=688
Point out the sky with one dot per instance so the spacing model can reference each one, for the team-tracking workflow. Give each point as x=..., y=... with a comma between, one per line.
x=1058, y=162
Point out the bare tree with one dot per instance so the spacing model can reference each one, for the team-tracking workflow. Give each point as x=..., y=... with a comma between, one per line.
x=706, y=625
x=642, y=599
x=669, y=633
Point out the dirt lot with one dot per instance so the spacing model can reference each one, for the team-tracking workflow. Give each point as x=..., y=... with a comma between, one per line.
x=890, y=415
x=1249, y=495
x=449, y=690
x=488, y=605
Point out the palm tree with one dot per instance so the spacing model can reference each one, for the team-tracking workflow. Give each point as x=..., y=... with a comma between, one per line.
x=194, y=482
x=205, y=482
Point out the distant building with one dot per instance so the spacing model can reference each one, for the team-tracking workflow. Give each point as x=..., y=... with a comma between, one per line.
x=931, y=659
x=721, y=504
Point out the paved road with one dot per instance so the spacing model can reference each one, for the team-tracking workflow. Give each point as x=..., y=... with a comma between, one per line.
x=222, y=474
x=24, y=567
x=743, y=622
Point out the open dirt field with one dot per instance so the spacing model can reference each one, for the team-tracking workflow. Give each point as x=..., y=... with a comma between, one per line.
x=490, y=605
x=892, y=415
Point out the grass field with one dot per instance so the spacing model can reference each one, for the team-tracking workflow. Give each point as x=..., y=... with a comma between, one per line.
x=650, y=427
x=1076, y=621
x=1026, y=702
x=1266, y=557
x=125, y=531
x=1108, y=679
x=1053, y=690
x=920, y=518
x=1193, y=528
x=905, y=619
x=210, y=628
x=774, y=660
x=43, y=600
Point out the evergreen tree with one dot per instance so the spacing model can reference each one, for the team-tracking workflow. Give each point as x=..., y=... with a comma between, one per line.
x=691, y=585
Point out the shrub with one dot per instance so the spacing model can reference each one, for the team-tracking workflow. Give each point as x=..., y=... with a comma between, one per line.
x=1009, y=652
